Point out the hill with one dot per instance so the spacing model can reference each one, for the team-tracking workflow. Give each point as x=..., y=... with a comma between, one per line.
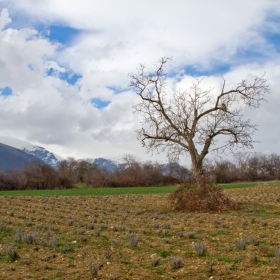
x=11, y=157
x=37, y=151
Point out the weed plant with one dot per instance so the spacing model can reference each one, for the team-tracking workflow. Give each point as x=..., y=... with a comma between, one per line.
x=200, y=249
x=175, y=262
x=11, y=253
x=155, y=260
x=241, y=244
x=93, y=268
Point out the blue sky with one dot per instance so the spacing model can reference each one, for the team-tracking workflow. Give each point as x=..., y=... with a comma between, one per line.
x=69, y=67
x=6, y=91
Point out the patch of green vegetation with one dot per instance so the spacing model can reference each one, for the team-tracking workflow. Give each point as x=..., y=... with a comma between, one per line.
x=5, y=234
x=270, y=255
x=214, y=234
x=137, y=249
x=217, y=242
x=147, y=266
x=249, y=184
x=253, y=273
x=261, y=210
x=238, y=185
x=225, y=259
x=275, y=214
x=233, y=267
x=54, y=276
x=105, y=241
x=67, y=248
x=82, y=190
x=189, y=254
x=91, y=191
x=163, y=253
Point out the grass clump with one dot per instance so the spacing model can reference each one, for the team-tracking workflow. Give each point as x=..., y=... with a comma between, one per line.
x=252, y=240
x=241, y=244
x=132, y=239
x=190, y=234
x=108, y=253
x=175, y=262
x=254, y=258
x=18, y=237
x=11, y=254
x=155, y=260
x=200, y=249
x=276, y=259
x=31, y=238
x=113, y=275
x=93, y=269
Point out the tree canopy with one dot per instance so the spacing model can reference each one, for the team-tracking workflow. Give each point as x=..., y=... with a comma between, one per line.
x=191, y=121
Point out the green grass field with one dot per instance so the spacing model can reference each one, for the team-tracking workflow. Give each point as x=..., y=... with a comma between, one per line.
x=114, y=191
x=92, y=191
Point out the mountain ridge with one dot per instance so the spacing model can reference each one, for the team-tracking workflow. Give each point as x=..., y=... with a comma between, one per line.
x=37, y=151
x=11, y=157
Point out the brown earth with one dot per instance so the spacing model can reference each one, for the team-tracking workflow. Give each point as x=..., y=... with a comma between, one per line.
x=57, y=237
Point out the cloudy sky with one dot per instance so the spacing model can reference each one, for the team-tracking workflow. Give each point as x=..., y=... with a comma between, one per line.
x=64, y=65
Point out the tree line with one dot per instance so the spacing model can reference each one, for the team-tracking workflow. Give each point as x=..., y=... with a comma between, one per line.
x=245, y=167
x=39, y=176
x=132, y=173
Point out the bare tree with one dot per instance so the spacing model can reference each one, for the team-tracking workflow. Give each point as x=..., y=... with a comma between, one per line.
x=191, y=121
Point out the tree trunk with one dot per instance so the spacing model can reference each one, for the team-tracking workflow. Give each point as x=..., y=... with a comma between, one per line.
x=199, y=175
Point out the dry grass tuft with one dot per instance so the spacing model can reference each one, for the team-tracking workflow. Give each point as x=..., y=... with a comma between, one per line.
x=190, y=198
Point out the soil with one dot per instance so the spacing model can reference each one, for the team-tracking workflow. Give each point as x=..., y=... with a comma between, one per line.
x=119, y=236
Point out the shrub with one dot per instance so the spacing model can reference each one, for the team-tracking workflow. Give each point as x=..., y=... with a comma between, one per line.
x=113, y=275
x=90, y=226
x=3, y=228
x=254, y=258
x=133, y=239
x=167, y=240
x=108, y=253
x=53, y=243
x=276, y=259
x=11, y=253
x=241, y=244
x=253, y=240
x=97, y=231
x=190, y=234
x=93, y=268
x=31, y=238
x=200, y=249
x=263, y=223
x=175, y=262
x=155, y=260
x=189, y=197
x=18, y=235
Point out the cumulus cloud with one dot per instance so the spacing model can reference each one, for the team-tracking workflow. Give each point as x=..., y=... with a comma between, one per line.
x=113, y=38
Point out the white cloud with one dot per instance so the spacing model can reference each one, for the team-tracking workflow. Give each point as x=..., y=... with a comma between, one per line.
x=4, y=18
x=116, y=36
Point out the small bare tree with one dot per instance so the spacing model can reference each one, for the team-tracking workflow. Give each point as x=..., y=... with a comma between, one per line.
x=191, y=121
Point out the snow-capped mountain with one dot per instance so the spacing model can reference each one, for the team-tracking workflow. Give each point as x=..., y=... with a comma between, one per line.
x=107, y=164
x=37, y=151
x=118, y=163
x=11, y=158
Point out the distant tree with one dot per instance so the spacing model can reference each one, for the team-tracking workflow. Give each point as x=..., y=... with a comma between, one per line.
x=67, y=170
x=225, y=171
x=12, y=179
x=40, y=176
x=191, y=121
